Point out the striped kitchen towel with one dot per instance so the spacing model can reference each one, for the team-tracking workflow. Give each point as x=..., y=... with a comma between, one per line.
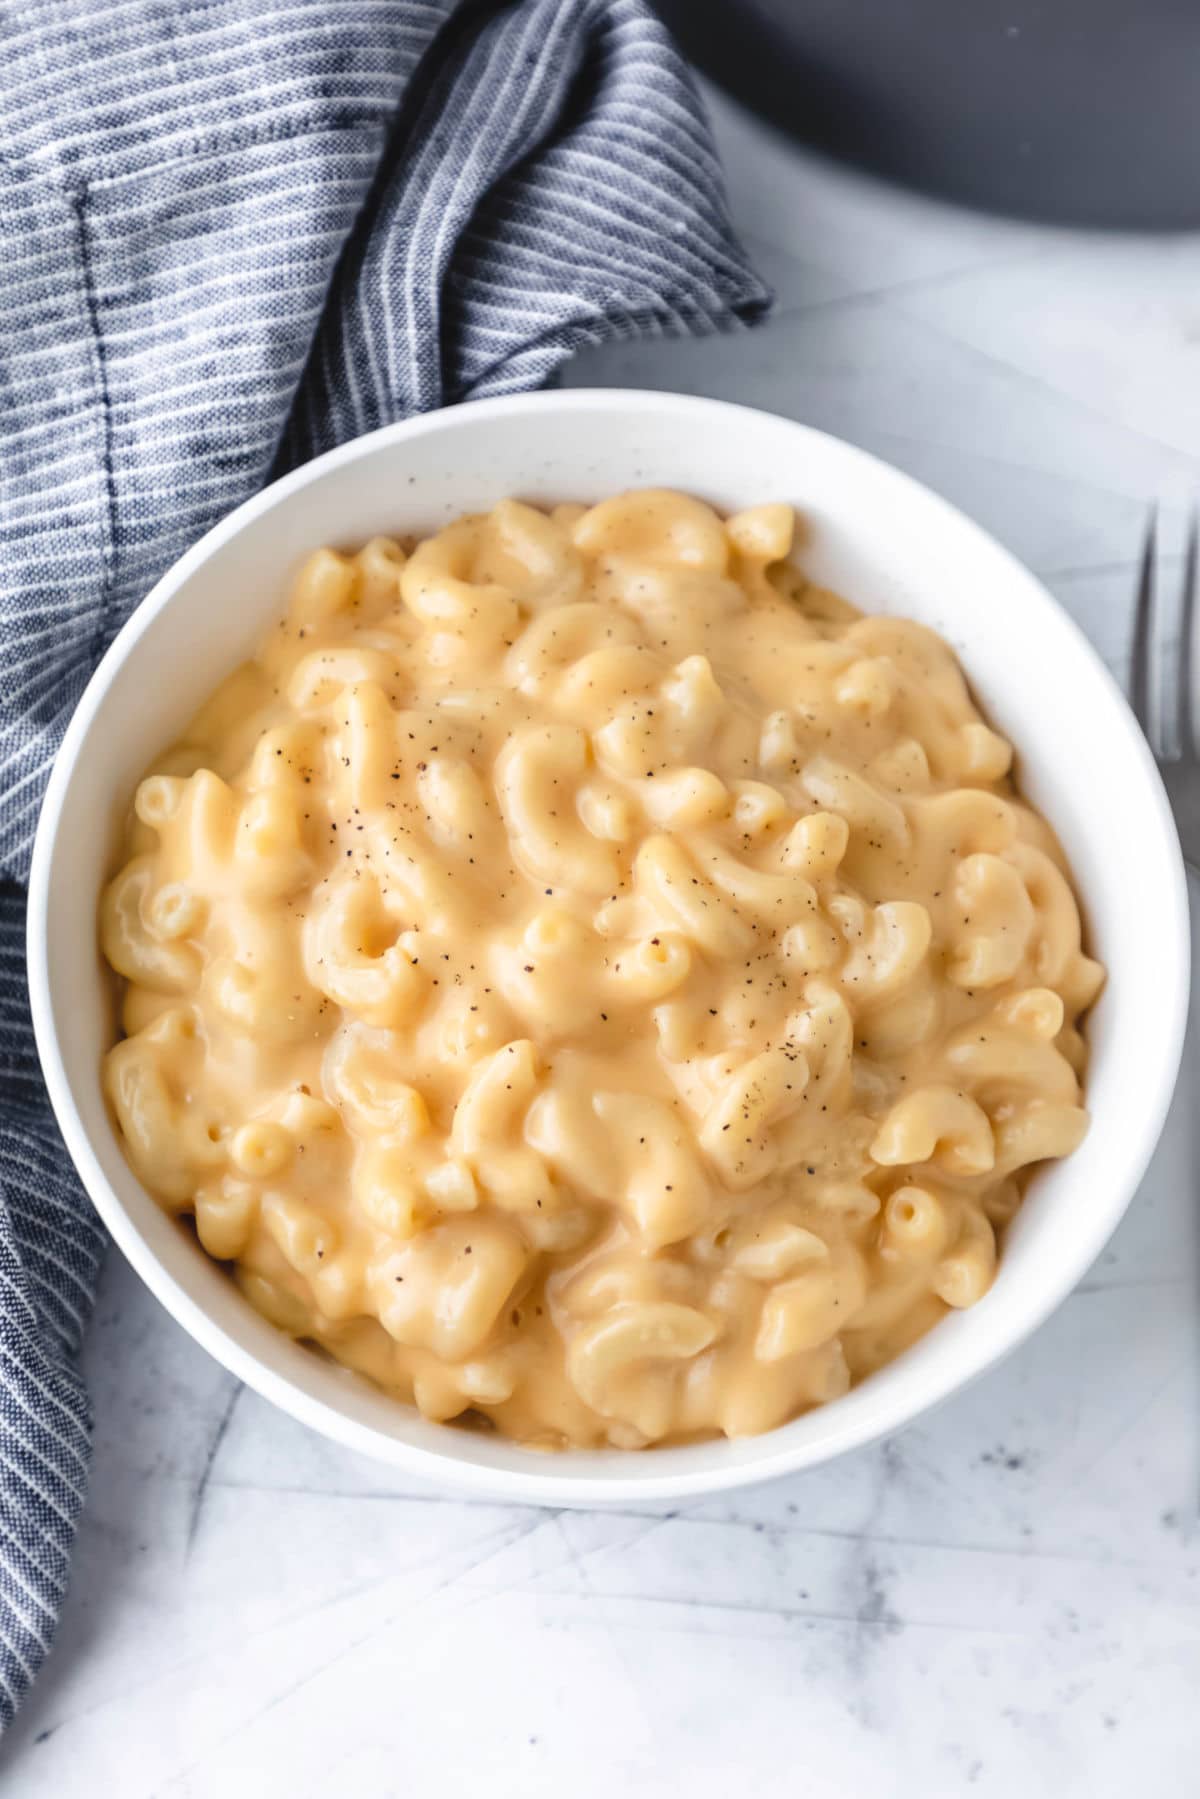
x=235, y=233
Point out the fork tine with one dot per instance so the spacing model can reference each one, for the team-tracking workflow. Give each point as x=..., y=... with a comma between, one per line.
x=1184, y=722
x=1143, y=628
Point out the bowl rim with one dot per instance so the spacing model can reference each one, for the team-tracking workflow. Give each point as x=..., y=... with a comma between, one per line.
x=539, y=1484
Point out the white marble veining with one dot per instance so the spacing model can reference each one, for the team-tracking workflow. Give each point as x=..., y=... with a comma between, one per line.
x=1006, y=1597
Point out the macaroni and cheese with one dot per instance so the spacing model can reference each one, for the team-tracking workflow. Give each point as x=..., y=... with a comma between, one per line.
x=588, y=979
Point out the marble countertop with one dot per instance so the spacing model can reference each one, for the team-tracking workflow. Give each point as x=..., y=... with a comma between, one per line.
x=1006, y=1597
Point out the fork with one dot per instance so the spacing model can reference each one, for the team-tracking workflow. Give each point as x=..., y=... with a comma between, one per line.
x=1166, y=708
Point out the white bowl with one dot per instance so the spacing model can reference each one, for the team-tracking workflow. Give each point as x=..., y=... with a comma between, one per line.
x=873, y=534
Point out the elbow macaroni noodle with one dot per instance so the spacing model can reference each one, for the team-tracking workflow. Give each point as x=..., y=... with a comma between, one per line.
x=586, y=978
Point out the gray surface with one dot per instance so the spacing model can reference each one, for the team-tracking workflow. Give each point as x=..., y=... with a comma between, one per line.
x=1080, y=112
x=1005, y=1598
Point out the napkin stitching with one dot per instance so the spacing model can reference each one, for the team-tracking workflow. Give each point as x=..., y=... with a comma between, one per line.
x=99, y=362
x=103, y=174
